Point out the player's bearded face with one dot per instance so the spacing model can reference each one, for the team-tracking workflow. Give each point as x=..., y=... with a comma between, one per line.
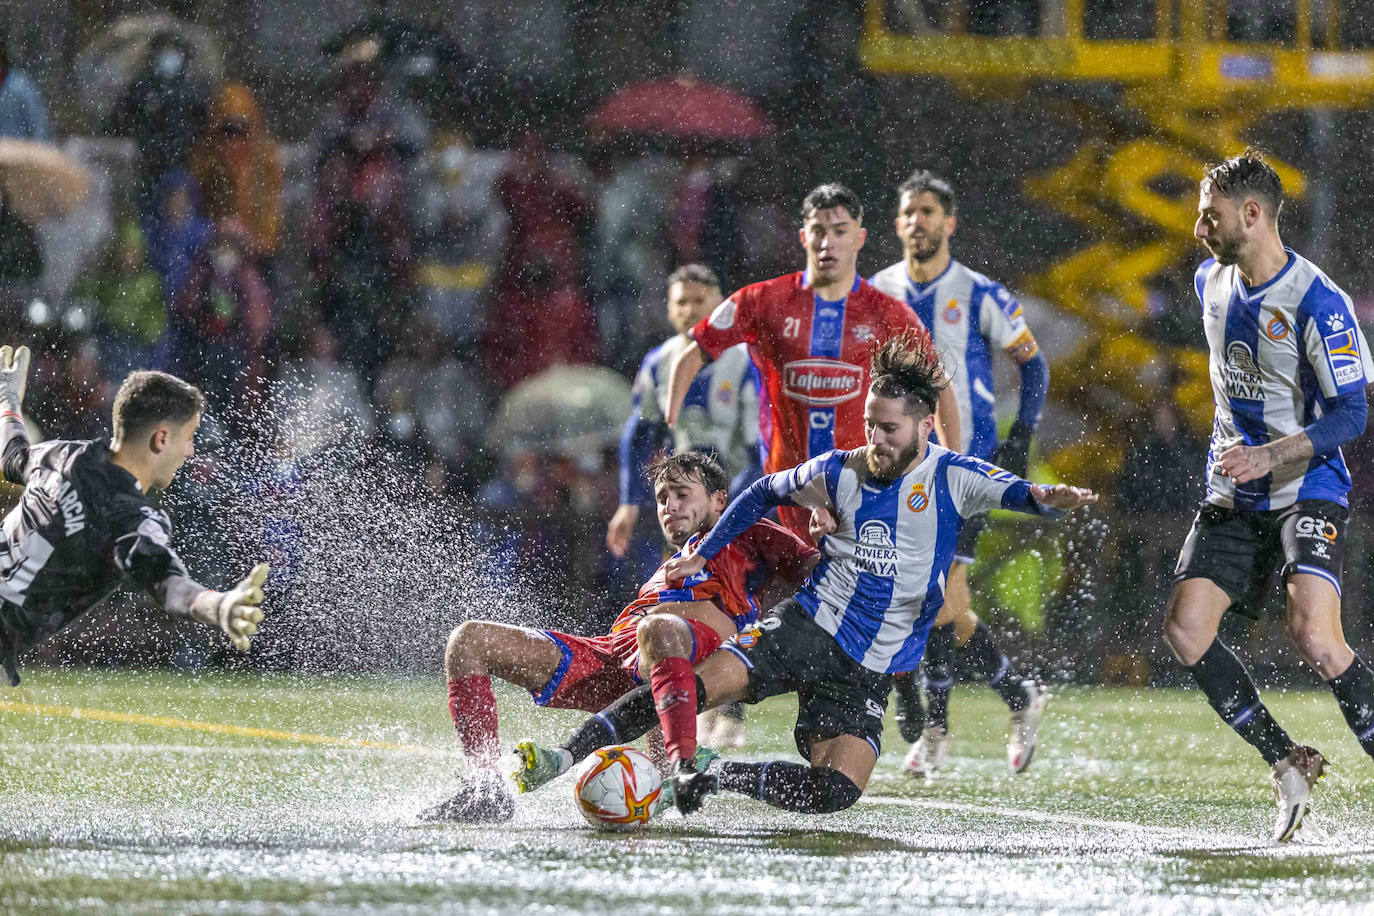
x=689, y=302
x=685, y=508
x=922, y=225
x=895, y=439
x=1219, y=227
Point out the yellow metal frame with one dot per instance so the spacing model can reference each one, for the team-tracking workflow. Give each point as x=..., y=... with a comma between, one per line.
x=1187, y=53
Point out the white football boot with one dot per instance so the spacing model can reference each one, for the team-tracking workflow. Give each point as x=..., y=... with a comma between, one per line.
x=1294, y=778
x=1024, y=725
x=928, y=754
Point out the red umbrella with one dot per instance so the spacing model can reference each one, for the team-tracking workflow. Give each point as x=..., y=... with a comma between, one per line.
x=681, y=108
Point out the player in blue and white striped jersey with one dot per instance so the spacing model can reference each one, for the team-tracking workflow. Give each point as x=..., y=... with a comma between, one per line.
x=970, y=317
x=1289, y=368
x=719, y=415
x=864, y=613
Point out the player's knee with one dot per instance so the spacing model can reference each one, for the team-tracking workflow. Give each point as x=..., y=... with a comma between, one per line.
x=463, y=641
x=1185, y=635
x=1319, y=647
x=837, y=791
x=663, y=636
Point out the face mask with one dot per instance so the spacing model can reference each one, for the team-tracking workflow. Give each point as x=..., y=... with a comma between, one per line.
x=169, y=62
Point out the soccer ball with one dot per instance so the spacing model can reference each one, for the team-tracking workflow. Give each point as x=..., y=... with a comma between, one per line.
x=618, y=788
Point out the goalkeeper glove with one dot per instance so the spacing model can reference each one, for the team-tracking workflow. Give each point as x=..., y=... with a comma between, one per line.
x=14, y=375
x=236, y=611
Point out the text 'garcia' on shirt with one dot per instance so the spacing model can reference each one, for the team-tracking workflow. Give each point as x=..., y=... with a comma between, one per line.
x=881, y=578
x=1285, y=357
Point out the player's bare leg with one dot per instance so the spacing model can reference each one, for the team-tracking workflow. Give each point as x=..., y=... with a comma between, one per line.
x=478, y=650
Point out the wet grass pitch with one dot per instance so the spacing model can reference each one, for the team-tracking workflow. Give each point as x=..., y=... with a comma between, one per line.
x=1138, y=801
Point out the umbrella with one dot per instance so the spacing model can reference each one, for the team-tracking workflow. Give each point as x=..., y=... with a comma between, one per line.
x=40, y=181
x=112, y=61
x=571, y=410
x=681, y=108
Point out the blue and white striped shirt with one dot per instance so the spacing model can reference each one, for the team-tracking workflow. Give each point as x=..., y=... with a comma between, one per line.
x=1282, y=356
x=881, y=579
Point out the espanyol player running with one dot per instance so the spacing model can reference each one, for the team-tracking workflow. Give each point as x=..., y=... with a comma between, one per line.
x=863, y=614
x=1289, y=367
x=811, y=334
x=969, y=317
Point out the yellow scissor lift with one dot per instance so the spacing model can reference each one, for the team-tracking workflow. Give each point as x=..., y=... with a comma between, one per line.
x=1197, y=92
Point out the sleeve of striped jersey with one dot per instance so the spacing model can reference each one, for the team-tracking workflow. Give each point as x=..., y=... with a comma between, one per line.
x=977, y=486
x=1333, y=343
x=1200, y=278
x=1002, y=321
x=642, y=430
x=808, y=485
x=734, y=321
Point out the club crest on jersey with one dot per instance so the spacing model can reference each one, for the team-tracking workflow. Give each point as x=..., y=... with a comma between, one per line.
x=916, y=500
x=864, y=334
x=1240, y=375
x=951, y=313
x=723, y=318
x=821, y=381
x=1343, y=357
x=876, y=551
x=1277, y=328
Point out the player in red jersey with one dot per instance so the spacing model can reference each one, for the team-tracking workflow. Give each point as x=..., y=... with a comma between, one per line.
x=810, y=335
x=685, y=619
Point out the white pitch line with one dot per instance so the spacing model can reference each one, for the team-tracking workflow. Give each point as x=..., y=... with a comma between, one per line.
x=1047, y=817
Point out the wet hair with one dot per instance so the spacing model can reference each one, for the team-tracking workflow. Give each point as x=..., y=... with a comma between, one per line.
x=687, y=466
x=148, y=398
x=831, y=195
x=694, y=273
x=923, y=180
x=1247, y=175
x=906, y=368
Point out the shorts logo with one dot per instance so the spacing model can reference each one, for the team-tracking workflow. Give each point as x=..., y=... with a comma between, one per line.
x=916, y=500
x=1343, y=357
x=873, y=708
x=1312, y=527
x=723, y=318
x=1277, y=329
x=768, y=623
x=951, y=313
x=822, y=381
x=748, y=638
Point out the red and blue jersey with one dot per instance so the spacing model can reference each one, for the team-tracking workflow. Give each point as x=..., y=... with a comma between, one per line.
x=730, y=579
x=813, y=357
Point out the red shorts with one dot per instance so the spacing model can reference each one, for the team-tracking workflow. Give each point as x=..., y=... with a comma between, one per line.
x=596, y=670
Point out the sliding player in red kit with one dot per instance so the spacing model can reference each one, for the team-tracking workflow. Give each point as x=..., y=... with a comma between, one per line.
x=810, y=335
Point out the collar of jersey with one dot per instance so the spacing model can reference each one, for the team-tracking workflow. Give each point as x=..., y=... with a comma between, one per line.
x=1248, y=293
x=806, y=283
x=922, y=287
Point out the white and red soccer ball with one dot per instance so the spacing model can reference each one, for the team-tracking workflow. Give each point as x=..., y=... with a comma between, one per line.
x=618, y=788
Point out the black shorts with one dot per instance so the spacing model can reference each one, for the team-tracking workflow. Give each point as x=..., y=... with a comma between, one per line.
x=966, y=547
x=787, y=652
x=1241, y=550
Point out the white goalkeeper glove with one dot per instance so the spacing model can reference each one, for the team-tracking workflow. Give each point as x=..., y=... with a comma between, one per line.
x=236, y=611
x=14, y=374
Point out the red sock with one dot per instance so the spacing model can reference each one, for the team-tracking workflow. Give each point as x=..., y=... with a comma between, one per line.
x=674, y=685
x=473, y=707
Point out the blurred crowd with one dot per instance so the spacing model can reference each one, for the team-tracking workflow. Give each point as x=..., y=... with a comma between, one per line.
x=390, y=284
